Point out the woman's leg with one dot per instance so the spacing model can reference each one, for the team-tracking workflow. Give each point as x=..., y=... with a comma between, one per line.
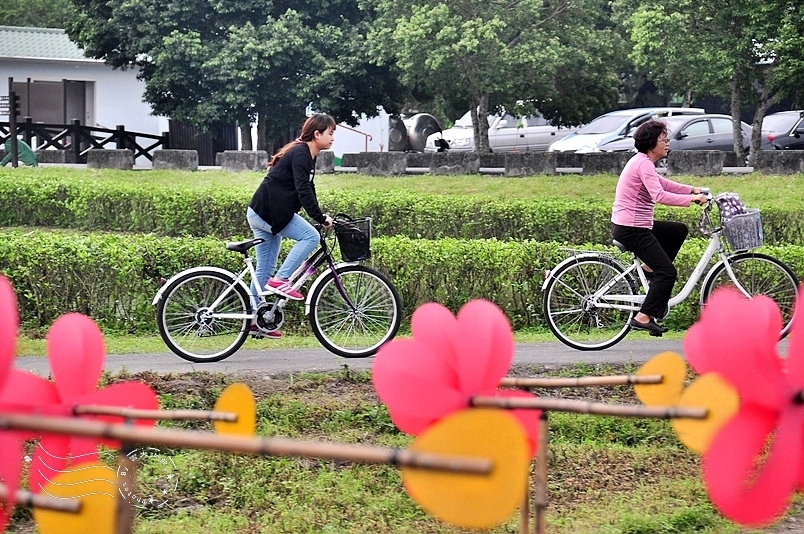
x=671, y=236
x=306, y=237
x=644, y=244
x=267, y=252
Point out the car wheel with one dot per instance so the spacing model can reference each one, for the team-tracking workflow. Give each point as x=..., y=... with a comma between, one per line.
x=661, y=164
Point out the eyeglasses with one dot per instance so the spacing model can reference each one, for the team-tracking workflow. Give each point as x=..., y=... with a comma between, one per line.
x=664, y=140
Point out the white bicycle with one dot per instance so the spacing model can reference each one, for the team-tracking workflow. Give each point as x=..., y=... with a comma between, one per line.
x=205, y=314
x=590, y=298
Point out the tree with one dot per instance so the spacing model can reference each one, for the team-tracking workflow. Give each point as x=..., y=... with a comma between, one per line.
x=749, y=52
x=36, y=13
x=559, y=57
x=213, y=63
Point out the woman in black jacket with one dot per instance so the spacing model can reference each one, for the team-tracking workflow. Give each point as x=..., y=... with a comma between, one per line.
x=273, y=210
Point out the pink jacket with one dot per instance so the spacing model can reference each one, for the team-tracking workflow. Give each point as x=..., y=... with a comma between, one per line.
x=640, y=188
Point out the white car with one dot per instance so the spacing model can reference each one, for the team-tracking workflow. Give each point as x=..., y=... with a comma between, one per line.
x=507, y=133
x=612, y=126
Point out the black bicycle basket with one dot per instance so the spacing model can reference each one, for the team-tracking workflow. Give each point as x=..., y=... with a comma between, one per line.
x=354, y=238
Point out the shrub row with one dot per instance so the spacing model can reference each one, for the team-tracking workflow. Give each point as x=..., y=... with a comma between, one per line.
x=93, y=206
x=113, y=278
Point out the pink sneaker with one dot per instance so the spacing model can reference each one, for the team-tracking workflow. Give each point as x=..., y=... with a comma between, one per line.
x=283, y=288
x=259, y=334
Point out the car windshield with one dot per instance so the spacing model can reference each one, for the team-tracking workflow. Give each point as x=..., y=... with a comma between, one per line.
x=466, y=121
x=673, y=124
x=604, y=124
x=779, y=122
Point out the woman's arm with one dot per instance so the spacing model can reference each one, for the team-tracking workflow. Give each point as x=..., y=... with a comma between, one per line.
x=303, y=167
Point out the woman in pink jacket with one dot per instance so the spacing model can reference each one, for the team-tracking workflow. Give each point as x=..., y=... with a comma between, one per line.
x=656, y=243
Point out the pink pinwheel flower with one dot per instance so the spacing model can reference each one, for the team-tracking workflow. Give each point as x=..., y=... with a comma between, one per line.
x=447, y=362
x=75, y=353
x=10, y=442
x=756, y=461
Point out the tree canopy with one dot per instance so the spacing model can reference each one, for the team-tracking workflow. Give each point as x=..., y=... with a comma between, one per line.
x=36, y=13
x=213, y=63
x=557, y=57
x=748, y=52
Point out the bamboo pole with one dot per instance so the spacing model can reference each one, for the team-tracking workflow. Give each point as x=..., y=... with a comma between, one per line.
x=524, y=513
x=597, y=408
x=614, y=380
x=261, y=446
x=161, y=415
x=124, y=516
x=43, y=502
x=540, y=492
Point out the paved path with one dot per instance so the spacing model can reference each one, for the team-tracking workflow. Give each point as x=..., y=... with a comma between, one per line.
x=283, y=361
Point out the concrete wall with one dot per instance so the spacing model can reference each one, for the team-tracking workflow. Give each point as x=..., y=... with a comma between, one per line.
x=121, y=159
x=692, y=162
x=530, y=163
x=454, y=163
x=695, y=162
x=244, y=160
x=176, y=159
x=780, y=161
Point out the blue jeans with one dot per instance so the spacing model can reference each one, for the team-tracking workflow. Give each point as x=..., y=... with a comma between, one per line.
x=298, y=229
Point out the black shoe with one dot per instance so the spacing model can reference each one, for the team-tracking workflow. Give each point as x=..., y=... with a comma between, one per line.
x=664, y=328
x=651, y=327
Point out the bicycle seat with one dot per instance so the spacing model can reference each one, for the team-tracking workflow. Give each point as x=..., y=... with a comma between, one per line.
x=619, y=245
x=243, y=246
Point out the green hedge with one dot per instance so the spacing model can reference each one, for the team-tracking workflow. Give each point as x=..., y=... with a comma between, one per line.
x=93, y=205
x=113, y=277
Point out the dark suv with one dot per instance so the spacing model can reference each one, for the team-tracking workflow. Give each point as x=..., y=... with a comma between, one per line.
x=783, y=131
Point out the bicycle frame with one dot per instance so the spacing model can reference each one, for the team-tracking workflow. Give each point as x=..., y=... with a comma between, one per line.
x=603, y=299
x=303, y=273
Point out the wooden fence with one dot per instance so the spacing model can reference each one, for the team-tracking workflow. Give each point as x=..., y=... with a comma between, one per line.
x=79, y=139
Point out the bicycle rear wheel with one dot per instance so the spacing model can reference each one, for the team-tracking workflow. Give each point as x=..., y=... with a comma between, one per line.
x=360, y=331
x=193, y=331
x=570, y=313
x=759, y=275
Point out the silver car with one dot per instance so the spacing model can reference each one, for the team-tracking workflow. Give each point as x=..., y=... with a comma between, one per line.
x=691, y=132
x=613, y=126
x=507, y=133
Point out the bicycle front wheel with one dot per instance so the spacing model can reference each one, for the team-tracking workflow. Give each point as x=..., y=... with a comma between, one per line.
x=191, y=328
x=358, y=327
x=759, y=275
x=572, y=315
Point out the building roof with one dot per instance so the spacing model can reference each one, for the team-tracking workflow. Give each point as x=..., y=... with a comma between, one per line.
x=39, y=43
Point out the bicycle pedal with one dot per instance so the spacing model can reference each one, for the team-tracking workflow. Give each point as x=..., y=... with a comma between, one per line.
x=656, y=334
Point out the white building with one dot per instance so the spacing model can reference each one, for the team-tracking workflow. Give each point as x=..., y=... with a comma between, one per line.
x=57, y=84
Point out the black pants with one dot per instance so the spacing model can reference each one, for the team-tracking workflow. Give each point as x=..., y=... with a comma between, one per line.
x=657, y=249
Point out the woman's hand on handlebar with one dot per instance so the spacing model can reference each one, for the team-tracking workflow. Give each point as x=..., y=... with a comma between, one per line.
x=700, y=198
x=328, y=221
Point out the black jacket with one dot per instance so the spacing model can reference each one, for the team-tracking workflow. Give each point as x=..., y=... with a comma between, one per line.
x=287, y=188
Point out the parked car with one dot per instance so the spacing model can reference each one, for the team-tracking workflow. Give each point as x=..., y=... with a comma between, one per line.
x=691, y=132
x=613, y=126
x=783, y=131
x=507, y=133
